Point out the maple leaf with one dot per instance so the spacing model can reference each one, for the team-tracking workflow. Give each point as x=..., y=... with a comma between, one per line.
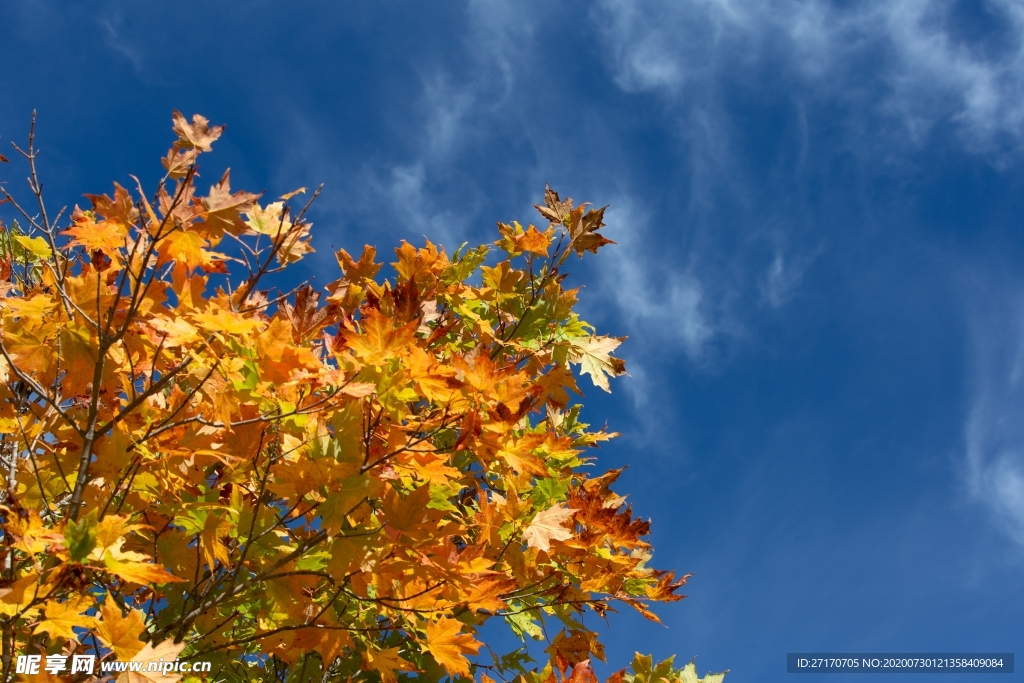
x=226, y=322
x=178, y=161
x=129, y=565
x=166, y=651
x=61, y=617
x=582, y=673
x=295, y=244
x=554, y=209
x=223, y=208
x=172, y=332
x=121, y=633
x=271, y=221
x=583, y=229
x=31, y=534
x=213, y=547
x=555, y=383
x=36, y=246
x=534, y=241
x=576, y=646
x=449, y=645
x=522, y=460
x=186, y=247
x=119, y=209
x=107, y=236
x=410, y=262
x=142, y=573
x=306, y=318
x=593, y=353
x=689, y=675
x=386, y=662
x=198, y=134
x=36, y=306
x=590, y=242
x=645, y=670
x=486, y=594
x=667, y=585
x=408, y=515
x=18, y=595
x=380, y=339
x=548, y=525
x=359, y=270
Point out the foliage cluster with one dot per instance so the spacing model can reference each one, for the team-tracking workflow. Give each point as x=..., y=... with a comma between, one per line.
x=302, y=485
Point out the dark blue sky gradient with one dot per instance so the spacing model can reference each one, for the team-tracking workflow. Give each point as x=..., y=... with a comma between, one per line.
x=818, y=207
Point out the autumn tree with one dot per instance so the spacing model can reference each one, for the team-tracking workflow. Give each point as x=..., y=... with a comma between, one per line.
x=302, y=485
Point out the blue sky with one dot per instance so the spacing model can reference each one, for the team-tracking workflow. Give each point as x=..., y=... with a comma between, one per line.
x=820, y=261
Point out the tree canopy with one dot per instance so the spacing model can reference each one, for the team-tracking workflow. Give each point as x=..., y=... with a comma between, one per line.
x=303, y=485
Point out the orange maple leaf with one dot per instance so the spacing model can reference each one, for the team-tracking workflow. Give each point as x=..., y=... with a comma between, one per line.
x=449, y=645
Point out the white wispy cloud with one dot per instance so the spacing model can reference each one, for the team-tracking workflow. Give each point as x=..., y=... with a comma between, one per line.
x=662, y=305
x=115, y=40
x=784, y=275
x=907, y=60
x=501, y=33
x=419, y=185
x=994, y=428
x=780, y=281
x=409, y=193
x=664, y=298
x=682, y=307
x=417, y=209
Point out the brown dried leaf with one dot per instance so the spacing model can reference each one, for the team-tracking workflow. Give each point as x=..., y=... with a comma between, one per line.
x=198, y=134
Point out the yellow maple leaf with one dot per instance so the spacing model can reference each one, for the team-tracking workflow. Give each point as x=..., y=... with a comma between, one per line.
x=35, y=307
x=175, y=331
x=214, y=548
x=363, y=269
x=121, y=633
x=168, y=651
x=37, y=246
x=435, y=381
x=288, y=195
x=328, y=642
x=226, y=322
x=19, y=595
x=448, y=645
x=142, y=573
x=110, y=532
x=547, y=526
x=387, y=662
x=523, y=461
x=269, y=221
x=31, y=535
x=61, y=617
x=594, y=356
x=129, y=565
x=576, y=646
x=295, y=244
